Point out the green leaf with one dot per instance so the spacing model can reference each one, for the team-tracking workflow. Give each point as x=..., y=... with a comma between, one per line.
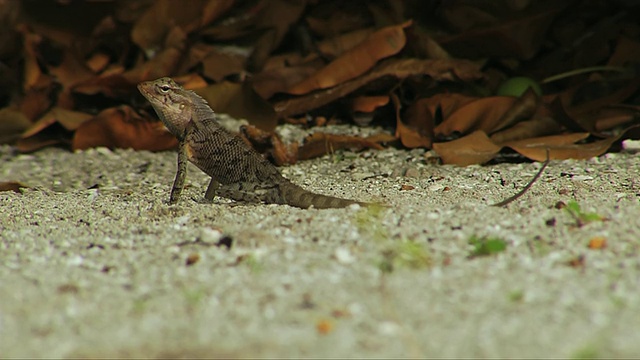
x=486, y=246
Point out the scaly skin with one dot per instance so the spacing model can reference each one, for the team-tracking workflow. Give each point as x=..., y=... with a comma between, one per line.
x=237, y=171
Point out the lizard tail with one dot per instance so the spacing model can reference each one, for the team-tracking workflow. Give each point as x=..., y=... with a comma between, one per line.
x=296, y=196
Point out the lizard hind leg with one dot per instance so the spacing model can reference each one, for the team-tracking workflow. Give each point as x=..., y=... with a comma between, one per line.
x=212, y=189
x=231, y=192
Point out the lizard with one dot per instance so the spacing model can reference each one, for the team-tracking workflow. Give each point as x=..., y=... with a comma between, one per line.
x=237, y=171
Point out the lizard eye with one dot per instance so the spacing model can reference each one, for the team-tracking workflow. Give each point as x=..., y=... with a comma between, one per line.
x=164, y=88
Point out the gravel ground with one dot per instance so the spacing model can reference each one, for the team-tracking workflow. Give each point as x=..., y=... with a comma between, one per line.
x=94, y=263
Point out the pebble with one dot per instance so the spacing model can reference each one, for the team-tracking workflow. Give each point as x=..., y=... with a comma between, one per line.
x=344, y=256
x=412, y=173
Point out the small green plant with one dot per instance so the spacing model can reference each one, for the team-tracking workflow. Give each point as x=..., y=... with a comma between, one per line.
x=586, y=353
x=253, y=262
x=139, y=305
x=369, y=222
x=581, y=217
x=516, y=295
x=484, y=246
x=408, y=254
x=193, y=297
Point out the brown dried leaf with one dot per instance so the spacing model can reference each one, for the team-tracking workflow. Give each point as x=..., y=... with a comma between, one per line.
x=163, y=64
x=12, y=124
x=55, y=134
x=218, y=65
x=563, y=147
x=627, y=52
x=368, y=104
x=121, y=127
x=191, y=81
x=284, y=154
x=338, y=45
x=38, y=98
x=319, y=144
x=482, y=114
x=97, y=62
x=31, y=70
x=419, y=129
x=241, y=102
x=475, y=148
x=69, y=119
x=162, y=16
x=270, y=143
x=580, y=113
x=356, y=61
x=277, y=16
x=438, y=70
x=332, y=23
x=272, y=81
x=71, y=71
x=522, y=109
x=12, y=186
x=536, y=127
x=613, y=116
x=520, y=38
x=53, y=128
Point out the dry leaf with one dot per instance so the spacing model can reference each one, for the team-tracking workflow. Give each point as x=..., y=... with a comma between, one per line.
x=536, y=127
x=13, y=123
x=12, y=186
x=162, y=16
x=356, y=61
x=335, y=46
x=438, y=70
x=319, y=144
x=53, y=128
x=275, y=80
x=520, y=38
x=324, y=326
x=483, y=114
x=475, y=148
x=368, y=104
x=597, y=243
x=121, y=127
x=278, y=16
x=419, y=129
x=241, y=102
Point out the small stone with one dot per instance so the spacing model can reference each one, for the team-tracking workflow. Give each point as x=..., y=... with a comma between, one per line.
x=192, y=259
x=436, y=187
x=209, y=235
x=344, y=256
x=389, y=328
x=104, y=151
x=397, y=173
x=406, y=187
x=412, y=173
x=582, y=178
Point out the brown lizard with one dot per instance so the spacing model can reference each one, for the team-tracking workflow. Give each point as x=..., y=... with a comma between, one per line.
x=237, y=171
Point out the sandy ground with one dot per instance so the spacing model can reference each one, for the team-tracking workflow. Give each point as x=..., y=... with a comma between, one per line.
x=94, y=263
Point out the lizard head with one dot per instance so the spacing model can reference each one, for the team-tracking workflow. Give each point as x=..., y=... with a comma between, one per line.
x=170, y=101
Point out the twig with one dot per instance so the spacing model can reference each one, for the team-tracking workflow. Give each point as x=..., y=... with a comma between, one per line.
x=583, y=71
x=524, y=190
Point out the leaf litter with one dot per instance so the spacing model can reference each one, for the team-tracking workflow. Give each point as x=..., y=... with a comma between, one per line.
x=429, y=78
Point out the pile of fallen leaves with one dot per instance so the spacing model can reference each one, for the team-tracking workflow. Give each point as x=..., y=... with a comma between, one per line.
x=470, y=79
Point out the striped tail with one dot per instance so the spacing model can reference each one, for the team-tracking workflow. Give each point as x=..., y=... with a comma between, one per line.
x=294, y=195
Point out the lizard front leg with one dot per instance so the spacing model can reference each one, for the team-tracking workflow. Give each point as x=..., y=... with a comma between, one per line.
x=181, y=174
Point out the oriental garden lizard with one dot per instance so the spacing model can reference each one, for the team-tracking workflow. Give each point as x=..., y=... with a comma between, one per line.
x=237, y=171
